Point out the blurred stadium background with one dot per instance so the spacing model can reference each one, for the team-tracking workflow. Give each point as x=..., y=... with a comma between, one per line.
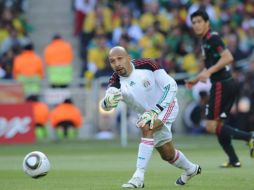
x=53, y=51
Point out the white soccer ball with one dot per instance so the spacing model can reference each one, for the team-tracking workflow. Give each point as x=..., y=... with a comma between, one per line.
x=36, y=164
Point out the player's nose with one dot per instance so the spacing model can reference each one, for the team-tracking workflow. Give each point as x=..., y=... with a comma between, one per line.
x=118, y=63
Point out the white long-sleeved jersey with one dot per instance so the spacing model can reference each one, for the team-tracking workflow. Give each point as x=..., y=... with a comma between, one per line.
x=147, y=87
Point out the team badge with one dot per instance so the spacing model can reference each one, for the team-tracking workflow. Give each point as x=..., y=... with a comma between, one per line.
x=146, y=83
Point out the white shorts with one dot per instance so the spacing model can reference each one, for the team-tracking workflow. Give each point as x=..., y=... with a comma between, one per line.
x=167, y=116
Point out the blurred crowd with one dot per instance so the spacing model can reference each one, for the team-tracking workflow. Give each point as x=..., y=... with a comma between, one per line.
x=160, y=29
x=18, y=58
x=19, y=61
x=14, y=30
x=157, y=29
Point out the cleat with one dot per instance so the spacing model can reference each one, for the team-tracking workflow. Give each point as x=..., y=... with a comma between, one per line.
x=231, y=165
x=134, y=183
x=179, y=181
x=251, y=146
x=184, y=178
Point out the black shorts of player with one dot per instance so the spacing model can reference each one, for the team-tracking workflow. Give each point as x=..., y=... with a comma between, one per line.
x=222, y=96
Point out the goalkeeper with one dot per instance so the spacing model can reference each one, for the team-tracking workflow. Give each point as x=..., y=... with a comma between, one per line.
x=151, y=92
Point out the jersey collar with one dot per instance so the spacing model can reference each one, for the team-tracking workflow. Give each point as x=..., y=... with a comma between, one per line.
x=207, y=35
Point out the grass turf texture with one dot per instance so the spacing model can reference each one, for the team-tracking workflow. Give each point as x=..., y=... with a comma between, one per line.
x=104, y=165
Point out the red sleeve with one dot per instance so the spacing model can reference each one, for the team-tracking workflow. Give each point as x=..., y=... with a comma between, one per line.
x=146, y=63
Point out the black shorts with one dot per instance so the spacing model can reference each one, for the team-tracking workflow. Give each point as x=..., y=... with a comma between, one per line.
x=222, y=97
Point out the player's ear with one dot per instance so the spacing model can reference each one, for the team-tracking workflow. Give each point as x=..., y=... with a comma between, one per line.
x=208, y=23
x=129, y=58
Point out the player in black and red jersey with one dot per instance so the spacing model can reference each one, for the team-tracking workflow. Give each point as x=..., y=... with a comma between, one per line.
x=217, y=59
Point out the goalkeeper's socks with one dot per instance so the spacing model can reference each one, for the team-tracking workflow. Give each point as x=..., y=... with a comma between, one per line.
x=144, y=154
x=233, y=132
x=180, y=161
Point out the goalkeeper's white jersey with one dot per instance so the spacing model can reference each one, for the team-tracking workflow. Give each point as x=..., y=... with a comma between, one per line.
x=148, y=86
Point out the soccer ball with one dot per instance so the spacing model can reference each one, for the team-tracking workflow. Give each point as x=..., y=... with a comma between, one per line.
x=36, y=164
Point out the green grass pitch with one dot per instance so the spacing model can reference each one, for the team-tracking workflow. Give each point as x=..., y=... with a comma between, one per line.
x=104, y=165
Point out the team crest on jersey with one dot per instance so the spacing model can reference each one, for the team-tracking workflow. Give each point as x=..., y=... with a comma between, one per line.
x=146, y=83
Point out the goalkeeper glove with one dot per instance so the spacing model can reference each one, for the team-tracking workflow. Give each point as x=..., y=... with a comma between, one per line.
x=147, y=118
x=113, y=96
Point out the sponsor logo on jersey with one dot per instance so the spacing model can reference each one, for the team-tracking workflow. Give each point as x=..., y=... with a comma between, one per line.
x=132, y=83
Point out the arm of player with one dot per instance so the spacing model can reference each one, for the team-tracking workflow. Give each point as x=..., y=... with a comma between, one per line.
x=225, y=59
x=111, y=99
x=170, y=88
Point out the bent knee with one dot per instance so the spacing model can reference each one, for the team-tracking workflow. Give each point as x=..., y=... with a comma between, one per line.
x=168, y=158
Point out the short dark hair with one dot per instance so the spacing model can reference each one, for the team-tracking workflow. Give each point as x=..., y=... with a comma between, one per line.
x=29, y=46
x=32, y=98
x=200, y=13
x=57, y=37
x=68, y=101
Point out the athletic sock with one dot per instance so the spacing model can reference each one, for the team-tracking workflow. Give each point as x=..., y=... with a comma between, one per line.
x=224, y=139
x=234, y=133
x=144, y=154
x=180, y=161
